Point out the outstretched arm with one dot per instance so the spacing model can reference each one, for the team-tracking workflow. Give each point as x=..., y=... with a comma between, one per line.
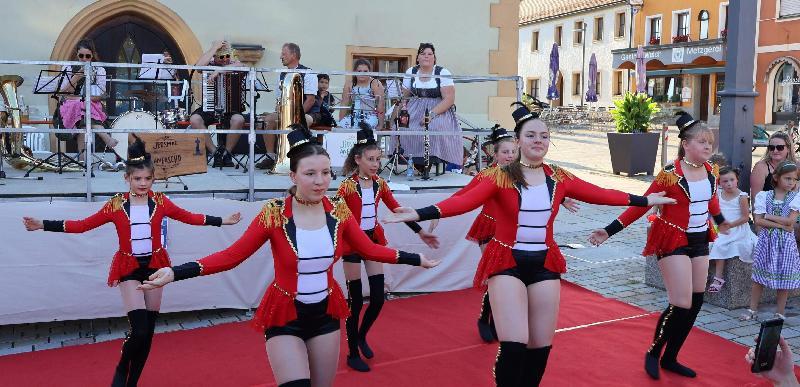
x=183, y=216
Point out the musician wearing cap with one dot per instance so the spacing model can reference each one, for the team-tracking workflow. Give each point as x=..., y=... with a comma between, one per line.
x=220, y=54
x=363, y=191
x=72, y=108
x=437, y=96
x=522, y=263
x=679, y=237
x=290, y=57
x=308, y=232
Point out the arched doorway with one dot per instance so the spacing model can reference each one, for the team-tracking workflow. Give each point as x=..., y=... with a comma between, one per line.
x=124, y=39
x=785, y=95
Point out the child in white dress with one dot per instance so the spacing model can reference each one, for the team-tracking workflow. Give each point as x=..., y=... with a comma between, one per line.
x=740, y=240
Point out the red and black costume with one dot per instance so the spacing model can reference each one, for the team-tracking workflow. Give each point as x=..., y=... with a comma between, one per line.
x=499, y=257
x=278, y=309
x=351, y=191
x=670, y=236
x=125, y=266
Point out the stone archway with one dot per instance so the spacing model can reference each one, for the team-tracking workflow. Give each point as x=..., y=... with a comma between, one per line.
x=101, y=11
x=770, y=79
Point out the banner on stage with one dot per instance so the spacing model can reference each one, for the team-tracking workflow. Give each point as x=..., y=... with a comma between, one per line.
x=338, y=146
x=176, y=154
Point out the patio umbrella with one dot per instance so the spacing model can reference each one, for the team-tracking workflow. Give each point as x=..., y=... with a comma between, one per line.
x=591, y=94
x=552, y=90
x=641, y=77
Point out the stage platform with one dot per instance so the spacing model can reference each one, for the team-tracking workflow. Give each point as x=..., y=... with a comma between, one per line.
x=228, y=183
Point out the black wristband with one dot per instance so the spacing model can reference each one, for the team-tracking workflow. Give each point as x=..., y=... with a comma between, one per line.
x=428, y=213
x=718, y=218
x=213, y=221
x=187, y=270
x=53, y=225
x=408, y=258
x=613, y=227
x=637, y=201
x=414, y=227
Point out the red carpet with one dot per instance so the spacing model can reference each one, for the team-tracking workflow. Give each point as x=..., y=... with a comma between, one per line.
x=420, y=341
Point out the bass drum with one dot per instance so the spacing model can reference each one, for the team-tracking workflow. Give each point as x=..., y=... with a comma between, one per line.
x=132, y=120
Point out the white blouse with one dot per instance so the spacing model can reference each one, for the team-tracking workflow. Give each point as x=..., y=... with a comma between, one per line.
x=534, y=213
x=315, y=256
x=141, y=232
x=760, y=203
x=368, y=215
x=700, y=194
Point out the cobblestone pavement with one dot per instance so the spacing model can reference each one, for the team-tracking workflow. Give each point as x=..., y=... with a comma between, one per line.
x=615, y=270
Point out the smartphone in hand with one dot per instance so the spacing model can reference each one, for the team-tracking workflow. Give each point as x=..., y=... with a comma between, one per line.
x=767, y=345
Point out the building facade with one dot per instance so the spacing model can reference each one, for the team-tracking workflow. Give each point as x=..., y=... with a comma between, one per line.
x=684, y=46
x=580, y=28
x=778, y=62
x=481, y=40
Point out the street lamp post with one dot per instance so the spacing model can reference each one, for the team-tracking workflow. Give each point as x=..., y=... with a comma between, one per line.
x=635, y=5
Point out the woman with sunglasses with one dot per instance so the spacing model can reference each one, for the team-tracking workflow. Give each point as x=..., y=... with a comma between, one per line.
x=220, y=54
x=779, y=149
x=436, y=96
x=73, y=106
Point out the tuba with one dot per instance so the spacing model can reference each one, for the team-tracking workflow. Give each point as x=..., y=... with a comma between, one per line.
x=12, y=144
x=290, y=112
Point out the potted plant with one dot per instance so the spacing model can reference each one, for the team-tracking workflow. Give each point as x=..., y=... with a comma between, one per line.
x=633, y=149
x=680, y=38
x=654, y=40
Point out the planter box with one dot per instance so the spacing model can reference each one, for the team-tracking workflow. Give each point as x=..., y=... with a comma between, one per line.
x=633, y=153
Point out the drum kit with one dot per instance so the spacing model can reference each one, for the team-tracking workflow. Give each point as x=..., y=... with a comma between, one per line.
x=141, y=119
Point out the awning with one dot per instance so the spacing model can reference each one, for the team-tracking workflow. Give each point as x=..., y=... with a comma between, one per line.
x=701, y=70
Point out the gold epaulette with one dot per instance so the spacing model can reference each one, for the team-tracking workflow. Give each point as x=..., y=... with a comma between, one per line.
x=271, y=214
x=500, y=177
x=383, y=185
x=715, y=170
x=667, y=177
x=561, y=174
x=340, y=209
x=158, y=197
x=348, y=187
x=486, y=172
x=114, y=204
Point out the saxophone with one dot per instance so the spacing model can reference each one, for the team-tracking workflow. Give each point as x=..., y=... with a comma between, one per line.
x=426, y=172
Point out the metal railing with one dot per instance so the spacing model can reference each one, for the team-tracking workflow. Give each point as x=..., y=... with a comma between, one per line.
x=252, y=73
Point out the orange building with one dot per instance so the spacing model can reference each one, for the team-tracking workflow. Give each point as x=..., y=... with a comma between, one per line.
x=778, y=62
x=684, y=44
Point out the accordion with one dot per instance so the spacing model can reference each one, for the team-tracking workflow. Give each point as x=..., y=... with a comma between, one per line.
x=225, y=93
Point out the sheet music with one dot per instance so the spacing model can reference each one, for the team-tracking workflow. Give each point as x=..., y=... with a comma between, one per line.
x=48, y=84
x=151, y=72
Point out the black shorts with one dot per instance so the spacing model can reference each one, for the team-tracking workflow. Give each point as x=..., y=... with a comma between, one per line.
x=312, y=320
x=209, y=118
x=355, y=258
x=697, y=247
x=530, y=267
x=141, y=273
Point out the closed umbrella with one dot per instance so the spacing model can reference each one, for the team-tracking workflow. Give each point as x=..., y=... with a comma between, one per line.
x=591, y=94
x=552, y=90
x=641, y=77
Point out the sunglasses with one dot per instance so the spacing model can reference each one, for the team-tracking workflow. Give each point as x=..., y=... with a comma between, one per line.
x=85, y=56
x=779, y=148
x=226, y=56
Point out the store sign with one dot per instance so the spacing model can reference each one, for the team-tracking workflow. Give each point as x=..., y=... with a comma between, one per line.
x=677, y=54
x=682, y=53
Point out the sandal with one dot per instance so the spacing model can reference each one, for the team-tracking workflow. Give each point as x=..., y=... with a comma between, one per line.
x=716, y=285
x=749, y=315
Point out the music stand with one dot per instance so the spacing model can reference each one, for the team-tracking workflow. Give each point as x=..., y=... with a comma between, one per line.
x=54, y=85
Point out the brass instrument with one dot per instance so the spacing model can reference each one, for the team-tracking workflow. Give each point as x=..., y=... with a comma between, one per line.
x=291, y=112
x=12, y=145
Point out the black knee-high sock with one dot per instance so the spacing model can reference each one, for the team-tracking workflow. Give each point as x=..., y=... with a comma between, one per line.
x=671, y=322
x=534, y=365
x=376, y=298
x=509, y=363
x=355, y=299
x=137, y=363
x=486, y=309
x=132, y=349
x=297, y=383
x=675, y=343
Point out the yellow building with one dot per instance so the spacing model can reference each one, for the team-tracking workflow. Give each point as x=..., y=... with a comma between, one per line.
x=684, y=46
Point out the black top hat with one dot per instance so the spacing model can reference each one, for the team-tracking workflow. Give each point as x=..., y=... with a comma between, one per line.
x=684, y=121
x=522, y=115
x=137, y=153
x=365, y=137
x=298, y=138
x=499, y=133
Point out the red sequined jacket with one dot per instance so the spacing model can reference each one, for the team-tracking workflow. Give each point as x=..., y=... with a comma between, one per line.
x=117, y=211
x=275, y=224
x=668, y=231
x=498, y=187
